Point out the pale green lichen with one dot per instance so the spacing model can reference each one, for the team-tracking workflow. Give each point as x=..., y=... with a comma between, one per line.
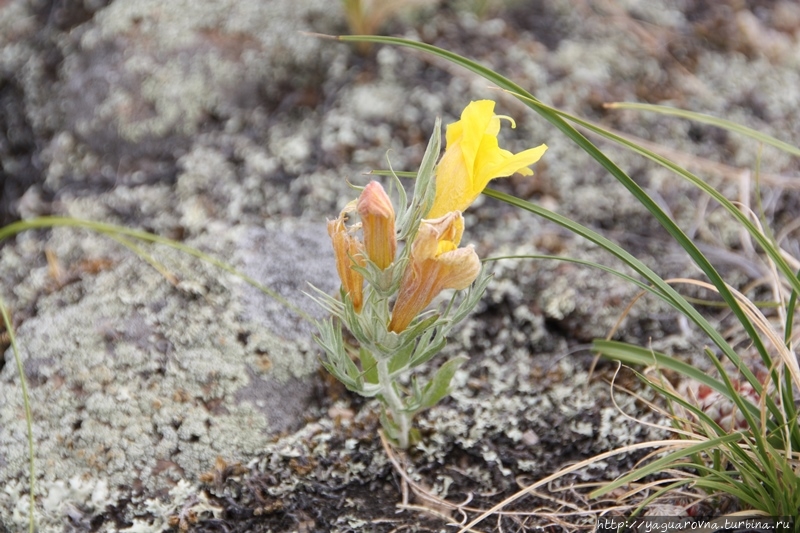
x=134, y=380
x=526, y=340
x=186, y=64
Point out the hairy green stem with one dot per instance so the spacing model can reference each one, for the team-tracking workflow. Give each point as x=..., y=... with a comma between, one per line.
x=393, y=401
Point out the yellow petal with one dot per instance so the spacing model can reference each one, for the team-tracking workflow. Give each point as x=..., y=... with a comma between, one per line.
x=494, y=162
x=453, y=190
x=476, y=120
x=473, y=158
x=458, y=268
x=449, y=227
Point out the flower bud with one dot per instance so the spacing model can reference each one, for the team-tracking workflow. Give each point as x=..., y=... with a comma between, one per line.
x=348, y=251
x=436, y=264
x=377, y=221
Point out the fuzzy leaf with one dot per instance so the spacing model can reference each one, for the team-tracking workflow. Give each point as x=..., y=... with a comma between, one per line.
x=368, y=366
x=399, y=360
x=439, y=386
x=392, y=429
x=425, y=188
x=338, y=362
x=425, y=355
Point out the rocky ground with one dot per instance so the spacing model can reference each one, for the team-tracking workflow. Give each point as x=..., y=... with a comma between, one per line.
x=182, y=397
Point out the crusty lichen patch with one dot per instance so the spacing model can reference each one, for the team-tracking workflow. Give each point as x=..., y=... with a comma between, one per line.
x=512, y=414
x=200, y=122
x=173, y=69
x=138, y=383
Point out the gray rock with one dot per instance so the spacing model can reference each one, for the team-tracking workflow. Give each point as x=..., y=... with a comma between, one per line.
x=138, y=383
x=201, y=122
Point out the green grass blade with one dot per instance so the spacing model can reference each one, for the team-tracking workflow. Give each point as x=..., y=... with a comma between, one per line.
x=660, y=492
x=738, y=491
x=787, y=390
x=143, y=254
x=671, y=398
x=664, y=290
x=708, y=119
x=112, y=230
x=399, y=174
x=636, y=355
x=583, y=262
x=763, y=240
x=793, y=429
x=28, y=416
x=689, y=245
x=669, y=294
x=665, y=462
x=765, y=476
x=787, y=335
x=761, y=444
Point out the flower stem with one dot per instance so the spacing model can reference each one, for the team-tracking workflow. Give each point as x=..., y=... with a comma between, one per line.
x=394, y=403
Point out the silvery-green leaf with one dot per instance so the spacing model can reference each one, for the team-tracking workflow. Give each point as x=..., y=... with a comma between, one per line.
x=369, y=366
x=400, y=359
x=402, y=205
x=351, y=319
x=429, y=352
x=326, y=301
x=471, y=299
x=439, y=386
x=351, y=385
x=424, y=188
x=392, y=429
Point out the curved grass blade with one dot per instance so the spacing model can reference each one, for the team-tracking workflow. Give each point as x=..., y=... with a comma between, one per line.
x=610, y=270
x=665, y=462
x=111, y=230
x=764, y=241
x=708, y=119
x=766, y=244
x=761, y=447
x=637, y=355
x=787, y=391
x=28, y=416
x=727, y=484
x=668, y=294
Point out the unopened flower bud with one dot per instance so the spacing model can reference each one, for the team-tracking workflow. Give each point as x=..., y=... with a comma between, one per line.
x=348, y=252
x=436, y=264
x=377, y=221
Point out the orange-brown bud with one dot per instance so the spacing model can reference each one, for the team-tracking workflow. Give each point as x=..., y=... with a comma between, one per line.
x=377, y=220
x=436, y=264
x=348, y=252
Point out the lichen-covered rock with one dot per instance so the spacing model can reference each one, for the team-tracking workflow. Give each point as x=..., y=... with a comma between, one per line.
x=218, y=124
x=144, y=71
x=137, y=382
x=114, y=94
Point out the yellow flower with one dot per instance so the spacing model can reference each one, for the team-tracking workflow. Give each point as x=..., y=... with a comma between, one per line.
x=436, y=264
x=377, y=221
x=473, y=157
x=348, y=252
